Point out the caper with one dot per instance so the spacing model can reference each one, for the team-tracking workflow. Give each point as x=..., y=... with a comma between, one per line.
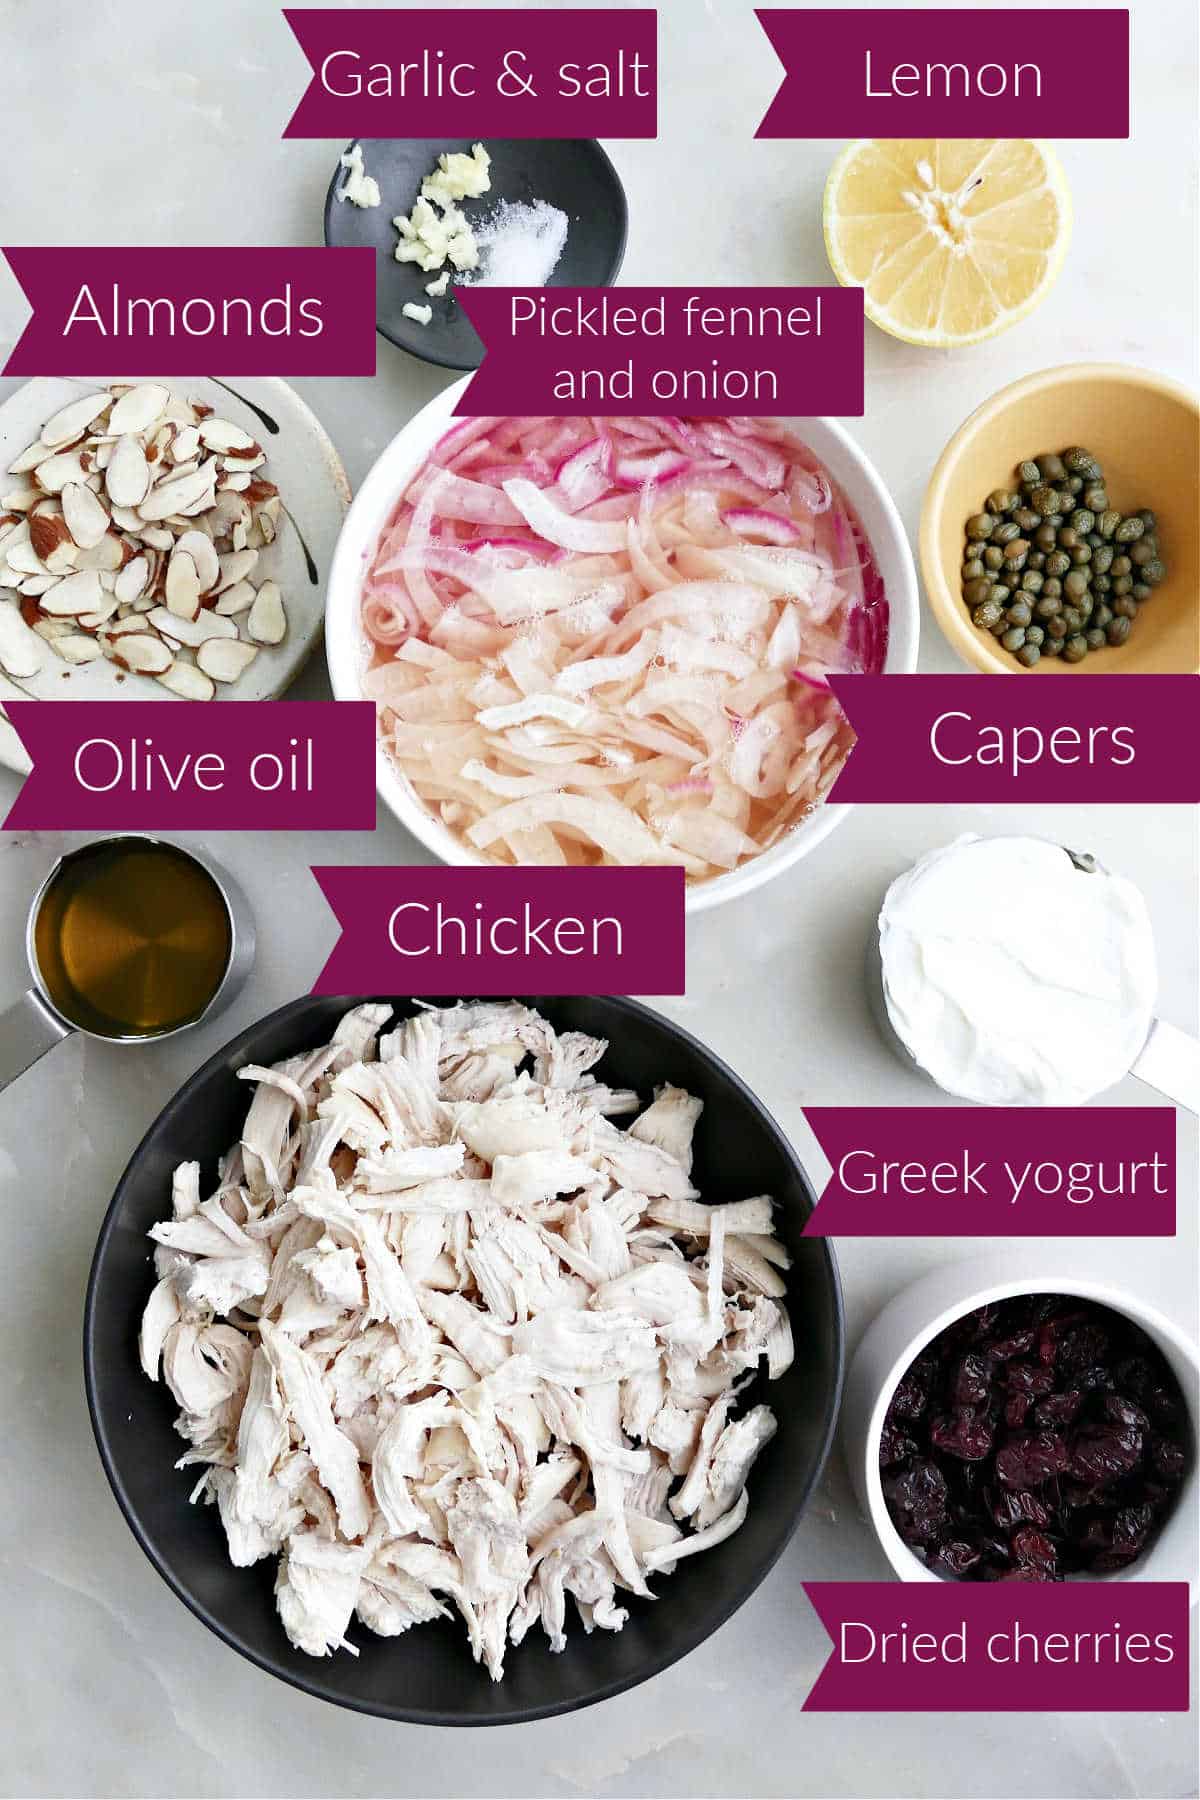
x=1107, y=522
x=980, y=525
x=1123, y=584
x=1035, y=635
x=1073, y=485
x=1036, y=559
x=1081, y=554
x=1058, y=563
x=1068, y=537
x=1000, y=591
x=1141, y=591
x=1072, y=618
x=993, y=557
x=1082, y=520
x=1031, y=581
x=1013, y=639
x=1001, y=501
x=1052, y=586
x=1055, y=628
x=1016, y=550
x=1019, y=613
x=1094, y=539
x=1151, y=542
x=1000, y=627
x=1048, y=606
x=1102, y=616
x=1081, y=462
x=1028, y=655
x=1153, y=572
x=1029, y=473
x=1076, y=584
x=1125, y=606
x=1027, y=519
x=1101, y=584
x=1120, y=565
x=1052, y=647
x=1045, y=537
x=1075, y=648
x=972, y=569
x=977, y=590
x=1004, y=534
x=1096, y=639
x=1118, y=630
x=1148, y=519
x=1096, y=499
x=987, y=615
x=1052, y=467
x=1102, y=559
x=1129, y=530
x=1047, y=501
x=1141, y=553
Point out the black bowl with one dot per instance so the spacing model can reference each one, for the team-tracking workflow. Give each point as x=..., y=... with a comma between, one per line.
x=573, y=174
x=427, y=1675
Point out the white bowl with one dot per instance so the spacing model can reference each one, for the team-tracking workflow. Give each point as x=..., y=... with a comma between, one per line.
x=918, y=1313
x=347, y=649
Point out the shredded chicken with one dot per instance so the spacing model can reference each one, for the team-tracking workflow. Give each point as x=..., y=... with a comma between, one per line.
x=445, y=1336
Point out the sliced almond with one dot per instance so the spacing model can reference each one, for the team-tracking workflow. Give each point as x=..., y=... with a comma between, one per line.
x=127, y=476
x=72, y=420
x=137, y=409
x=118, y=627
x=78, y=648
x=189, y=682
x=131, y=580
x=192, y=632
x=241, y=462
x=183, y=586
x=86, y=519
x=74, y=594
x=235, y=599
x=54, y=628
x=47, y=531
x=21, y=556
x=108, y=555
x=157, y=537
x=185, y=445
x=199, y=546
x=100, y=453
x=234, y=484
x=20, y=499
x=221, y=435
x=235, y=567
x=178, y=494
x=21, y=653
x=125, y=518
x=267, y=621
x=29, y=459
x=34, y=585
x=224, y=659
x=142, y=653
x=53, y=475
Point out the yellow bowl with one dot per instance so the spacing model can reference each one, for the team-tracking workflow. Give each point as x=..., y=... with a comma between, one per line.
x=1145, y=431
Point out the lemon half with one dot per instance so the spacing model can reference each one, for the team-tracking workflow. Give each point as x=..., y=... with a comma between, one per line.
x=951, y=239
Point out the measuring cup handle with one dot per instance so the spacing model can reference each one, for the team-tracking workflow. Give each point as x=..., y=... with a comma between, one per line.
x=28, y=1029
x=1170, y=1062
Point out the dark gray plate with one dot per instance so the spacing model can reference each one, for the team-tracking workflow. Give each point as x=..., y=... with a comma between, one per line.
x=573, y=174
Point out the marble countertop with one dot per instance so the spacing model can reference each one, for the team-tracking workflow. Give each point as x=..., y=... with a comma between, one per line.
x=110, y=1686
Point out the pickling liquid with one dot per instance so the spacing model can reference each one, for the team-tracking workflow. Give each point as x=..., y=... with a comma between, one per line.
x=132, y=938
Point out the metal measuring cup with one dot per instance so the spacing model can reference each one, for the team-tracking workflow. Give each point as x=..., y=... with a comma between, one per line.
x=33, y=1024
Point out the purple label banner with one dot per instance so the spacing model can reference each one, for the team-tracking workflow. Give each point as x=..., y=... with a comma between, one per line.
x=257, y=765
x=955, y=738
x=1049, y=1171
x=504, y=931
x=565, y=350
x=471, y=72
x=949, y=73
x=278, y=311
x=949, y=1646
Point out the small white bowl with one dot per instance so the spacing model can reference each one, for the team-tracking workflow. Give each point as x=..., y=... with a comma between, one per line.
x=918, y=1313
x=347, y=650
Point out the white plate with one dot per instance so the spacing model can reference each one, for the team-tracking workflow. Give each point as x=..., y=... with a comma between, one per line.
x=306, y=469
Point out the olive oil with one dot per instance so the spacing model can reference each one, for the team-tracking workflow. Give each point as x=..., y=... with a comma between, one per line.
x=132, y=938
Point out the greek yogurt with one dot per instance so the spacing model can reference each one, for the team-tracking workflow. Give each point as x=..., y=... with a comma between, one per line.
x=1014, y=976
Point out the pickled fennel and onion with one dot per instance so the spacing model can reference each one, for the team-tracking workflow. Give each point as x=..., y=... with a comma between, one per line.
x=604, y=640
